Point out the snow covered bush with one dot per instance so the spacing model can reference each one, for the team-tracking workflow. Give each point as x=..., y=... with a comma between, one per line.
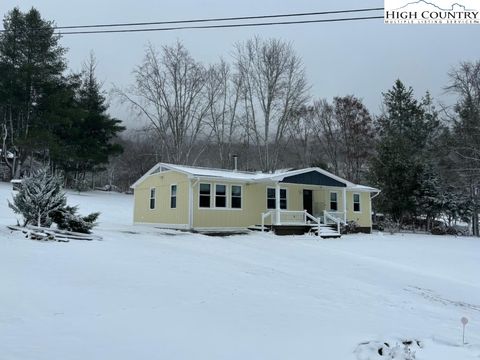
x=42, y=201
x=351, y=227
x=40, y=195
x=68, y=219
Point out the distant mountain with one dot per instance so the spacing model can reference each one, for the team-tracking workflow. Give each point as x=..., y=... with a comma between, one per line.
x=434, y=5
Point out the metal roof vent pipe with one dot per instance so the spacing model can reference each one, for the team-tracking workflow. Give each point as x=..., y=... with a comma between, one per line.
x=235, y=162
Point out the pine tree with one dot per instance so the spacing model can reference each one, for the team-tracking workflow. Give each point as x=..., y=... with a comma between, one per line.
x=429, y=198
x=465, y=83
x=405, y=131
x=31, y=66
x=68, y=219
x=89, y=138
x=40, y=195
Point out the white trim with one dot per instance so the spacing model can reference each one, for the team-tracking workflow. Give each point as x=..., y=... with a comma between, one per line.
x=242, y=197
x=266, y=197
x=246, y=177
x=344, y=195
x=228, y=206
x=190, y=203
x=215, y=197
x=154, y=198
x=199, y=195
x=330, y=200
x=359, y=203
x=150, y=173
x=282, y=176
x=171, y=196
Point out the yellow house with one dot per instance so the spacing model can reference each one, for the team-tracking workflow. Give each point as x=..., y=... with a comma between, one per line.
x=213, y=200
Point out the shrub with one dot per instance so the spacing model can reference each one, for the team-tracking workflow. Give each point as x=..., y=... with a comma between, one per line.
x=351, y=227
x=68, y=219
x=81, y=185
x=39, y=196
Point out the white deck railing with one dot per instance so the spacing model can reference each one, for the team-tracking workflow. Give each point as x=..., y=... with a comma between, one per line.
x=290, y=218
x=286, y=217
x=331, y=217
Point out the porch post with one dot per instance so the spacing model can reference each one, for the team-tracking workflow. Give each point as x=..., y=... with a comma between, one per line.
x=345, y=205
x=277, y=203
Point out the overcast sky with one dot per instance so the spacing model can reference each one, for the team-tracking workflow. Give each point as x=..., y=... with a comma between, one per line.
x=361, y=58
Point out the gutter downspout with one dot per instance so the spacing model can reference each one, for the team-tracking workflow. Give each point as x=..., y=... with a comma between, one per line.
x=344, y=205
x=374, y=196
x=277, y=203
x=191, y=184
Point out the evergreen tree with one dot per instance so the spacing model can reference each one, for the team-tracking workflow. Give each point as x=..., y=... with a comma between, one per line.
x=68, y=219
x=31, y=66
x=405, y=131
x=429, y=198
x=40, y=195
x=465, y=140
x=89, y=139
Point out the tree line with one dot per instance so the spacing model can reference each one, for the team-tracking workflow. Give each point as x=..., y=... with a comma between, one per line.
x=256, y=104
x=47, y=115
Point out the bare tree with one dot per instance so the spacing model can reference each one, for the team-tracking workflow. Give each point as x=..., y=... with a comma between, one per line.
x=355, y=127
x=274, y=89
x=223, y=95
x=301, y=132
x=326, y=131
x=170, y=92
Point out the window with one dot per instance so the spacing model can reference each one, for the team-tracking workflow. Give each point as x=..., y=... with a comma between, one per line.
x=152, y=198
x=173, y=196
x=356, y=202
x=236, y=198
x=271, y=198
x=204, y=201
x=283, y=199
x=333, y=201
x=220, y=196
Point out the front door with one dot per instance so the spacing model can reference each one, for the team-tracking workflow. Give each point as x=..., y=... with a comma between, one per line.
x=308, y=201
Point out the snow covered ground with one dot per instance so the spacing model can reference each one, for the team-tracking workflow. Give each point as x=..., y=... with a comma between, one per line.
x=146, y=293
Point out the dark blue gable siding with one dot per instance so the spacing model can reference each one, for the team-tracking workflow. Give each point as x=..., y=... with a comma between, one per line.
x=313, y=178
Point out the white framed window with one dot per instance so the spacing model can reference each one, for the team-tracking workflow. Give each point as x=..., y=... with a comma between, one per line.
x=152, y=198
x=356, y=202
x=236, y=197
x=271, y=199
x=173, y=196
x=334, y=201
x=204, y=195
x=220, y=196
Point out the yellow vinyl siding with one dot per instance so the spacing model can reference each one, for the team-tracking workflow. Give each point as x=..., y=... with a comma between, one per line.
x=364, y=217
x=162, y=214
x=254, y=202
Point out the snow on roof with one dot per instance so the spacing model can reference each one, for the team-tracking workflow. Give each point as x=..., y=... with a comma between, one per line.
x=279, y=175
x=220, y=173
x=364, y=188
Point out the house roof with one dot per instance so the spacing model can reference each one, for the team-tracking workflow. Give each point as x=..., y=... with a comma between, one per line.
x=244, y=176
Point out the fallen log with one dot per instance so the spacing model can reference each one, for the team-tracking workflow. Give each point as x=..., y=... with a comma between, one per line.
x=43, y=233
